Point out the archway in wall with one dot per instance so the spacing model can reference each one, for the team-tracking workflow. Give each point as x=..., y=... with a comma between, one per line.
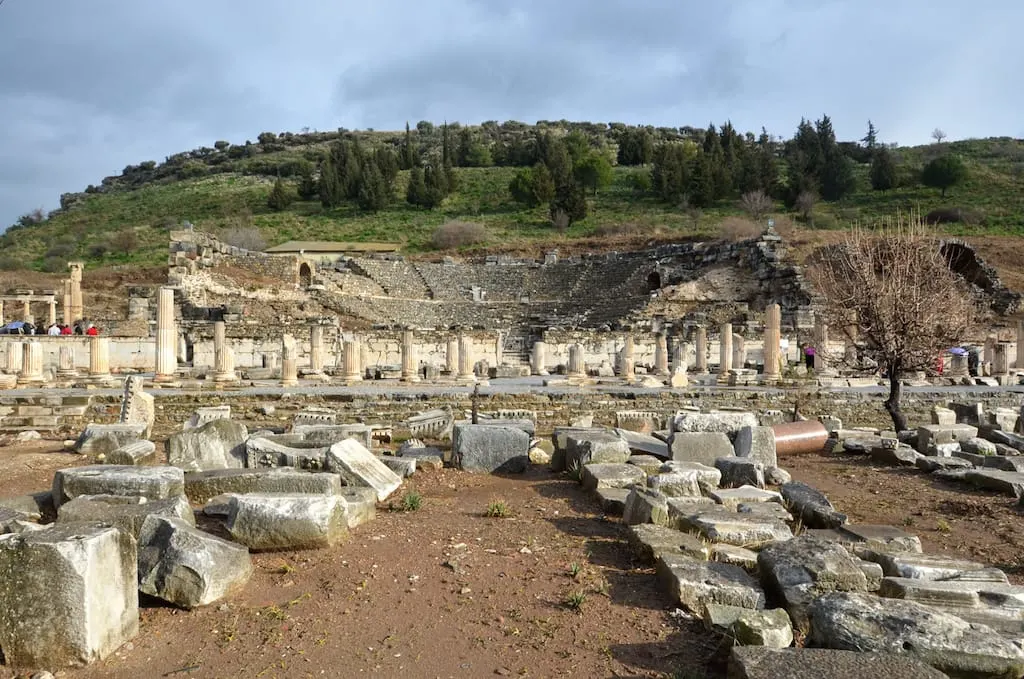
x=305, y=275
x=653, y=281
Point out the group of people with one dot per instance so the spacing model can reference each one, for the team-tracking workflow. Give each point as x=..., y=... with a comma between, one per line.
x=79, y=328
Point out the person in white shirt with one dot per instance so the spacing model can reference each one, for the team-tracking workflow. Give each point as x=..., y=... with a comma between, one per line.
x=54, y=330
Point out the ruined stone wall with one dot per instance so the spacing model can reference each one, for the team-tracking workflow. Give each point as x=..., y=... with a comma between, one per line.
x=193, y=251
x=126, y=353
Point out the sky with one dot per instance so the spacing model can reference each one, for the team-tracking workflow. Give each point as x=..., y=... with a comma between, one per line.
x=90, y=86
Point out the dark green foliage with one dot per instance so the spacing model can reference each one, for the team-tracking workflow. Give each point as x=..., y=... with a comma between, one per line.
x=472, y=153
x=555, y=154
x=944, y=172
x=883, y=170
x=435, y=187
x=837, y=178
x=331, y=192
x=308, y=188
x=670, y=176
x=374, y=190
x=701, y=182
x=577, y=145
x=532, y=186
x=266, y=138
x=571, y=201
x=416, y=191
x=281, y=196
x=870, y=139
x=636, y=146
x=721, y=180
x=409, y=159
x=593, y=170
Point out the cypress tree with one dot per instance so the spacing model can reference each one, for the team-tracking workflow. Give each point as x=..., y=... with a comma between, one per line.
x=883, y=170
x=280, y=196
x=416, y=192
x=408, y=152
x=373, y=190
x=701, y=186
x=331, y=191
x=308, y=189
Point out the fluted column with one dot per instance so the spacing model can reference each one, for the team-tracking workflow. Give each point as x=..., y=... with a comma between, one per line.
x=223, y=356
x=725, y=349
x=701, y=342
x=289, y=362
x=99, y=357
x=681, y=357
x=14, y=357
x=166, y=337
x=466, y=358
x=661, y=354
x=451, y=357
x=352, y=361
x=1000, y=359
x=577, y=366
x=26, y=311
x=739, y=351
x=820, y=343
x=66, y=361
x=31, y=363
x=627, y=369
x=410, y=362
x=772, y=338
x=316, y=348
x=539, y=358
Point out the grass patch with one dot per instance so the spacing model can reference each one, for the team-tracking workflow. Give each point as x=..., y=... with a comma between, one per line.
x=411, y=501
x=574, y=601
x=498, y=509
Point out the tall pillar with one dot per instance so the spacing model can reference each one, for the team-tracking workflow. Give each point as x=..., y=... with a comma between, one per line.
x=410, y=363
x=1020, y=341
x=289, y=362
x=577, y=366
x=316, y=348
x=26, y=311
x=681, y=357
x=14, y=357
x=627, y=369
x=52, y=316
x=466, y=358
x=701, y=342
x=1000, y=362
x=539, y=359
x=352, y=361
x=99, y=357
x=166, y=336
x=772, y=338
x=451, y=357
x=77, y=311
x=725, y=349
x=69, y=318
x=499, y=349
x=820, y=343
x=31, y=363
x=739, y=351
x=223, y=357
x=66, y=361
x=661, y=354
x=2, y=320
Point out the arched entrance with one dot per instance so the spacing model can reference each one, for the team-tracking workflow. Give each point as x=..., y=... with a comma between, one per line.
x=305, y=275
x=653, y=281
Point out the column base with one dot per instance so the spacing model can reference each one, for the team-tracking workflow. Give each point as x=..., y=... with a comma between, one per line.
x=225, y=377
x=164, y=379
x=31, y=381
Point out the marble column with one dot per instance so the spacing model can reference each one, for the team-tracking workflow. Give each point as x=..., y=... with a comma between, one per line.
x=466, y=358
x=627, y=368
x=26, y=311
x=451, y=357
x=820, y=343
x=577, y=366
x=725, y=349
x=1020, y=341
x=958, y=365
x=410, y=363
x=14, y=356
x=99, y=357
x=352, y=364
x=2, y=320
x=289, y=362
x=539, y=359
x=701, y=348
x=31, y=363
x=661, y=354
x=739, y=351
x=66, y=361
x=52, y=316
x=69, y=318
x=772, y=338
x=499, y=349
x=166, y=337
x=681, y=357
x=1000, y=359
x=316, y=348
x=223, y=356
x=77, y=310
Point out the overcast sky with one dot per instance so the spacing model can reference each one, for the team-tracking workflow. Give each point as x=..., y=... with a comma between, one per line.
x=89, y=86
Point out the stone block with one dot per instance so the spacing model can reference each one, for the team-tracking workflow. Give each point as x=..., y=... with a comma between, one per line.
x=490, y=449
x=286, y=450
x=327, y=435
x=695, y=583
x=68, y=595
x=799, y=570
x=708, y=477
x=758, y=444
x=645, y=505
x=930, y=434
x=880, y=537
x=864, y=622
x=613, y=500
x=207, y=414
x=722, y=421
x=765, y=510
x=643, y=444
x=1007, y=483
x=944, y=417
x=359, y=467
x=918, y=566
x=271, y=521
x=153, y=483
x=201, y=486
x=676, y=483
x=610, y=475
x=649, y=541
x=218, y=444
x=740, y=471
x=103, y=439
x=1004, y=463
x=34, y=505
x=899, y=455
x=187, y=567
x=124, y=512
x=810, y=506
x=996, y=604
x=360, y=505
x=748, y=627
x=588, y=446
x=754, y=662
x=732, y=498
x=716, y=524
x=978, y=446
x=426, y=458
x=403, y=466
x=702, y=447
x=776, y=476
x=650, y=464
x=136, y=453
x=732, y=554
x=932, y=464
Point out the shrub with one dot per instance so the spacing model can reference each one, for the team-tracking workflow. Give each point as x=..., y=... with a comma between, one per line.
x=59, y=249
x=411, y=501
x=955, y=215
x=245, y=237
x=737, y=229
x=455, y=234
x=498, y=509
x=55, y=264
x=98, y=251
x=124, y=241
x=756, y=204
x=9, y=263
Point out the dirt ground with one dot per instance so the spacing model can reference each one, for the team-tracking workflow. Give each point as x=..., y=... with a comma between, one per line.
x=446, y=591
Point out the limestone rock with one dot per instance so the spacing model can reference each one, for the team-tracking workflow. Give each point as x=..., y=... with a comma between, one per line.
x=201, y=486
x=643, y=444
x=28, y=435
x=765, y=510
x=208, y=414
x=776, y=476
x=919, y=566
x=137, y=453
x=702, y=447
x=613, y=500
x=490, y=449
x=610, y=475
x=737, y=556
x=676, y=482
x=360, y=505
x=587, y=446
x=748, y=627
x=931, y=434
x=863, y=622
x=265, y=521
x=359, y=467
x=695, y=584
x=649, y=541
x=732, y=498
x=187, y=567
x=126, y=513
x=886, y=538
x=103, y=439
x=757, y=443
x=978, y=446
x=645, y=505
x=218, y=444
x=997, y=604
x=153, y=483
x=754, y=662
x=930, y=464
x=810, y=506
x=708, y=477
x=1007, y=483
x=723, y=421
x=719, y=525
x=649, y=463
x=740, y=471
x=539, y=456
x=68, y=595
x=403, y=466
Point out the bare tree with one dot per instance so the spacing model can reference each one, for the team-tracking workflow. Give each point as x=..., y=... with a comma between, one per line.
x=908, y=304
x=756, y=204
x=938, y=135
x=805, y=203
x=560, y=220
x=245, y=237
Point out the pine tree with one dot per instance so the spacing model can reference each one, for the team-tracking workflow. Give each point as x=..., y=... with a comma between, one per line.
x=350, y=168
x=883, y=170
x=721, y=183
x=593, y=170
x=837, y=178
x=556, y=157
x=871, y=139
x=570, y=200
x=408, y=152
x=701, y=185
x=416, y=191
x=280, y=196
x=308, y=189
x=331, y=192
x=436, y=186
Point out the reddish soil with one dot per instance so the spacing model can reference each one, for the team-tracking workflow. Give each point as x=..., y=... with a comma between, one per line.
x=446, y=591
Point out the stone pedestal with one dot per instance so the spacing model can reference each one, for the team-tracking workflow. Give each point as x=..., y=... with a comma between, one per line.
x=661, y=355
x=701, y=348
x=725, y=349
x=31, y=364
x=99, y=358
x=539, y=359
x=772, y=338
x=410, y=362
x=577, y=366
x=627, y=366
x=166, y=336
x=466, y=359
x=66, y=362
x=958, y=365
x=352, y=364
x=451, y=357
x=820, y=344
x=223, y=356
x=316, y=349
x=289, y=362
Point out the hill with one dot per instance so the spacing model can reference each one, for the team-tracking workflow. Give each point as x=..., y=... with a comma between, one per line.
x=125, y=219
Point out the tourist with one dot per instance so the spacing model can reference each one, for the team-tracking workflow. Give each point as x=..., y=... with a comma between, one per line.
x=92, y=331
x=66, y=329
x=53, y=330
x=78, y=328
x=809, y=356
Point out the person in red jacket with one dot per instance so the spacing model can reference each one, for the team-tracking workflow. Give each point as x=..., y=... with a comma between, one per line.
x=65, y=330
x=92, y=331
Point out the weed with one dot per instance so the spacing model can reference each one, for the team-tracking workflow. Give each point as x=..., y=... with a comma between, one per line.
x=498, y=509
x=908, y=521
x=411, y=501
x=602, y=587
x=943, y=526
x=575, y=472
x=575, y=601
x=575, y=569
x=285, y=568
x=274, y=613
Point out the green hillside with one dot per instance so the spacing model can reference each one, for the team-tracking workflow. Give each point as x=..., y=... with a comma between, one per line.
x=126, y=219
